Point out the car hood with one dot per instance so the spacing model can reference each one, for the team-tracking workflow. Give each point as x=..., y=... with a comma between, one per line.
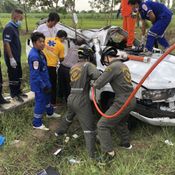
x=162, y=76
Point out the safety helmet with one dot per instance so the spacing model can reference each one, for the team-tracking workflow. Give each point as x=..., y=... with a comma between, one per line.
x=132, y=2
x=86, y=52
x=108, y=51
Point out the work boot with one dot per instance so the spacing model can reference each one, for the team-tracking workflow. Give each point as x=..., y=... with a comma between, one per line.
x=18, y=99
x=63, y=127
x=3, y=101
x=146, y=52
x=42, y=127
x=126, y=145
x=105, y=158
x=22, y=94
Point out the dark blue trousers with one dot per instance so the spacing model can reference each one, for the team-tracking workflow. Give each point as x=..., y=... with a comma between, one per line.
x=157, y=31
x=42, y=105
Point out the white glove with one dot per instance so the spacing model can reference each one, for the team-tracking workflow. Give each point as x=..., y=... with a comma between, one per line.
x=124, y=56
x=13, y=63
x=143, y=40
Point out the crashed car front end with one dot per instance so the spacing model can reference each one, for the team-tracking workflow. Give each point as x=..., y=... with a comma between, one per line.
x=156, y=96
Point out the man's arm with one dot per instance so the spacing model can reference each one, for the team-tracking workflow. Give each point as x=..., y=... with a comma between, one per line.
x=93, y=71
x=143, y=27
x=8, y=50
x=105, y=77
x=152, y=17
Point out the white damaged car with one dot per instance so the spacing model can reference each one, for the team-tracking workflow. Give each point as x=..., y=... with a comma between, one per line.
x=156, y=97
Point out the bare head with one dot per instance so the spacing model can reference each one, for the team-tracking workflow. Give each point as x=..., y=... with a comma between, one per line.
x=17, y=15
x=53, y=19
x=38, y=40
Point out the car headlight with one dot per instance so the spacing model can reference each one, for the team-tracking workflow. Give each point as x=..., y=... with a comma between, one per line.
x=156, y=95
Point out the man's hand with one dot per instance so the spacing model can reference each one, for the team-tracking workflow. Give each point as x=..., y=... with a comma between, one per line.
x=13, y=63
x=134, y=14
x=47, y=90
x=124, y=56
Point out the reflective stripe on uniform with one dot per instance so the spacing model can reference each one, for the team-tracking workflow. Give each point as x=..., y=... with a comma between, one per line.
x=37, y=115
x=88, y=132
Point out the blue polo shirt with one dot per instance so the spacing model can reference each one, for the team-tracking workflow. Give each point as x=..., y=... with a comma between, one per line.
x=159, y=9
x=11, y=35
x=39, y=77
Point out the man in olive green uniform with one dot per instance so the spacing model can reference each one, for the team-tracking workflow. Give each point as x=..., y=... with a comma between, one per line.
x=118, y=75
x=78, y=101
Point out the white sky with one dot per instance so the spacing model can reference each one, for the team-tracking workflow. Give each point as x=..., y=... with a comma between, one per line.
x=82, y=5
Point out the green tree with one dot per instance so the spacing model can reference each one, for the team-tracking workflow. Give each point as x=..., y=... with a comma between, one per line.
x=7, y=6
x=69, y=5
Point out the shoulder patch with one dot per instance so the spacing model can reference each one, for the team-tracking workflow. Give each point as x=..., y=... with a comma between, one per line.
x=144, y=7
x=108, y=69
x=75, y=73
x=35, y=65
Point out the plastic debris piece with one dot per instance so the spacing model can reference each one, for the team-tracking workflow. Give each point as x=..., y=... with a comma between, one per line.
x=2, y=140
x=67, y=139
x=14, y=142
x=49, y=171
x=57, y=151
x=74, y=161
x=75, y=136
x=168, y=142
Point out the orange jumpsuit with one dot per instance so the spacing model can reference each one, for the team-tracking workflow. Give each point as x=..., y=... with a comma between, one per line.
x=128, y=21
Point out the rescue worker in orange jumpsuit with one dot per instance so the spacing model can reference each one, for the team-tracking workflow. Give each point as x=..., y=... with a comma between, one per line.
x=129, y=21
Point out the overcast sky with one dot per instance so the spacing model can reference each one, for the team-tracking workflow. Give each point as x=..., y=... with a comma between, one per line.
x=82, y=5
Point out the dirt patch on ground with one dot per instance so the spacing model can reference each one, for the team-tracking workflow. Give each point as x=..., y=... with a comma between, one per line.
x=40, y=134
x=54, y=124
x=18, y=144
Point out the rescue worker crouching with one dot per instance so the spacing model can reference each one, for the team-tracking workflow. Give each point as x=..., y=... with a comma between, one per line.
x=39, y=81
x=78, y=101
x=118, y=75
x=160, y=17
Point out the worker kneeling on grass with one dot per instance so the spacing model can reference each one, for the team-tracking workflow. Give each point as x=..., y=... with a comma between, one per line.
x=39, y=81
x=159, y=15
x=118, y=75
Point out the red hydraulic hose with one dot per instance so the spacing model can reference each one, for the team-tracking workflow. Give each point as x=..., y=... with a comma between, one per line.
x=169, y=50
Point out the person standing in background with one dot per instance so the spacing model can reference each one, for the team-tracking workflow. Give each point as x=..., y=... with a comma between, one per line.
x=40, y=82
x=64, y=70
x=129, y=21
x=12, y=54
x=48, y=28
x=54, y=52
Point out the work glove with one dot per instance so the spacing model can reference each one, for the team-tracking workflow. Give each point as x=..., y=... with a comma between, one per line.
x=13, y=63
x=134, y=14
x=124, y=56
x=47, y=90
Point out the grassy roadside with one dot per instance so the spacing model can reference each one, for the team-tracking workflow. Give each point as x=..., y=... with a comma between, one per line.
x=149, y=156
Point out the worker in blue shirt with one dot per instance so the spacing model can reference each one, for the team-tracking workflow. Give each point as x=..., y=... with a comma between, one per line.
x=159, y=15
x=12, y=55
x=39, y=81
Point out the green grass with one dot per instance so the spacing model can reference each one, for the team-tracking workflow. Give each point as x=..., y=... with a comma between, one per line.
x=149, y=156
